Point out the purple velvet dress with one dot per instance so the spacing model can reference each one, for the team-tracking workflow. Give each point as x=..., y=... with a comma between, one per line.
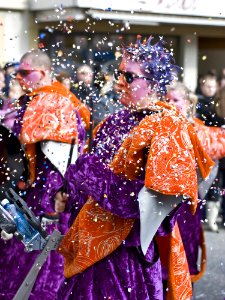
x=126, y=273
x=8, y=114
x=190, y=230
x=14, y=262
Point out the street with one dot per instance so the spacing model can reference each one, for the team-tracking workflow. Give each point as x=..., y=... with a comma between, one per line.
x=212, y=284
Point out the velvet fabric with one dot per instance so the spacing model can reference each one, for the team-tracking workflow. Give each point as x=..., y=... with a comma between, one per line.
x=190, y=234
x=122, y=275
x=8, y=114
x=212, y=140
x=126, y=273
x=14, y=262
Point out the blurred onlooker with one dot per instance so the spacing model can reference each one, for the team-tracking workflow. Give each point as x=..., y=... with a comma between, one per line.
x=104, y=103
x=65, y=78
x=2, y=85
x=108, y=102
x=9, y=69
x=15, y=91
x=221, y=79
x=207, y=91
x=9, y=108
x=84, y=89
x=212, y=140
x=207, y=109
x=221, y=82
x=220, y=117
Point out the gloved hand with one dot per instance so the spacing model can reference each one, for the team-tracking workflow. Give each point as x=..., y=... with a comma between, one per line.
x=6, y=236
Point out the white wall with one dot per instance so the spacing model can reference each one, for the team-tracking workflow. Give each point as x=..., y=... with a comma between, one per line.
x=189, y=60
x=17, y=34
x=215, y=59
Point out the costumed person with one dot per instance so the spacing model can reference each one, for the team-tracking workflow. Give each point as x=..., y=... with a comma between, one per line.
x=213, y=141
x=9, y=69
x=84, y=89
x=126, y=192
x=49, y=120
x=220, y=121
x=10, y=106
x=108, y=102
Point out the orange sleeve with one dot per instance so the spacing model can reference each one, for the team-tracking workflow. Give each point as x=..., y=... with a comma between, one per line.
x=211, y=138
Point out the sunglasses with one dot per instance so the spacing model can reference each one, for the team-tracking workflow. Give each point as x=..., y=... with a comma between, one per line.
x=23, y=73
x=129, y=77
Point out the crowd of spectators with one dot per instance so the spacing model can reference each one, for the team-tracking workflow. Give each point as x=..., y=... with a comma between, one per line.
x=210, y=108
x=102, y=100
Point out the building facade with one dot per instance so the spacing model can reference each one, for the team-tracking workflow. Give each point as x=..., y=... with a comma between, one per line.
x=86, y=31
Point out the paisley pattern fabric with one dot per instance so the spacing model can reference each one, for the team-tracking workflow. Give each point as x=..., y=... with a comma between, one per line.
x=58, y=88
x=171, y=165
x=49, y=118
x=211, y=138
x=179, y=283
x=51, y=114
x=81, y=255
x=123, y=275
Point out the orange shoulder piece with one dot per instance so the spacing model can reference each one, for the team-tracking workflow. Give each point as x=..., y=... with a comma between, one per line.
x=58, y=88
x=172, y=147
x=82, y=109
x=97, y=128
x=49, y=117
x=171, y=167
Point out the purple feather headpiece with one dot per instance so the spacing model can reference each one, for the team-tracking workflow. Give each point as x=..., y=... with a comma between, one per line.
x=157, y=62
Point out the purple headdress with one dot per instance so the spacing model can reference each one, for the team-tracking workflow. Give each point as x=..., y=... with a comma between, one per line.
x=157, y=62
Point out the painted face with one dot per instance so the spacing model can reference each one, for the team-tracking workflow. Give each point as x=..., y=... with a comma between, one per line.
x=177, y=99
x=134, y=88
x=28, y=76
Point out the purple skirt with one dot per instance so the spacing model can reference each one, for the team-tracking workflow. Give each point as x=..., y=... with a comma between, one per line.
x=15, y=263
x=124, y=274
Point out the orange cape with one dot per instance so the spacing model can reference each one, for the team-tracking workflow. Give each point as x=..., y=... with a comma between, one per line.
x=172, y=152
x=58, y=88
x=50, y=115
